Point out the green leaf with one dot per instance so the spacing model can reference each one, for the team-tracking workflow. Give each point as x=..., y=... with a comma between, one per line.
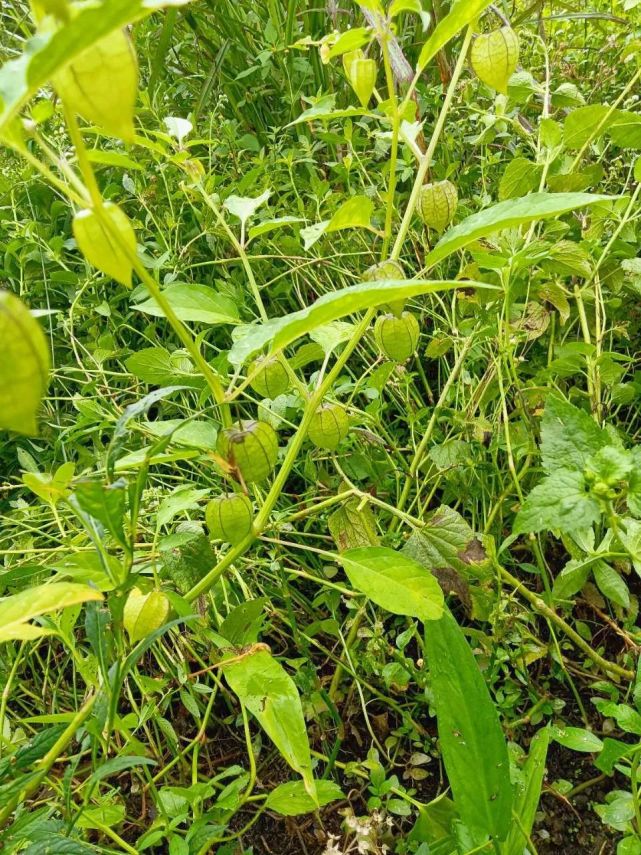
x=356, y=213
x=196, y=303
x=393, y=581
x=611, y=584
x=245, y=207
x=159, y=367
x=16, y=611
x=559, y=503
x=183, y=498
x=447, y=541
x=472, y=742
x=105, y=503
x=507, y=215
x=572, y=578
x=521, y=176
x=291, y=799
x=578, y=739
x=569, y=436
x=279, y=332
x=352, y=526
x=48, y=53
x=24, y=366
x=118, y=764
x=271, y=225
x=269, y=693
x=581, y=125
x=186, y=558
x=462, y=13
x=528, y=793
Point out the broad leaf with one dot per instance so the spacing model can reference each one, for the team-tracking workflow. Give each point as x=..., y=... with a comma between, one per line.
x=49, y=53
x=560, y=503
x=528, y=792
x=507, y=215
x=354, y=214
x=462, y=13
x=577, y=739
x=279, y=332
x=16, y=611
x=105, y=503
x=245, y=207
x=24, y=366
x=269, y=693
x=569, y=436
x=196, y=303
x=291, y=799
x=472, y=742
x=393, y=581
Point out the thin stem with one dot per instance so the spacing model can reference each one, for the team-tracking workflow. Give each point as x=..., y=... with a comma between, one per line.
x=427, y=157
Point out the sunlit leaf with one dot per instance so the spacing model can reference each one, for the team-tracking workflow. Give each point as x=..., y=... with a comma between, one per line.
x=24, y=366
x=18, y=610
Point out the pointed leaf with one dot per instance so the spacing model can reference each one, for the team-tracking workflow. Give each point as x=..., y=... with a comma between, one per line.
x=472, y=742
x=462, y=13
x=393, y=581
x=195, y=303
x=507, y=215
x=269, y=693
x=16, y=611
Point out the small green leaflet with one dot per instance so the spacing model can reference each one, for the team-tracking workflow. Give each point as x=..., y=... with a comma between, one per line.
x=269, y=693
x=393, y=581
x=24, y=366
x=291, y=799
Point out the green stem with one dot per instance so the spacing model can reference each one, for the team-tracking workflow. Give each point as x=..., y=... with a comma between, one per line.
x=262, y=518
x=544, y=609
x=427, y=157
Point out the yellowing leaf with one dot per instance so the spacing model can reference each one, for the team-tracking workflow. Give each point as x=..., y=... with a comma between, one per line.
x=494, y=57
x=270, y=694
x=101, y=84
x=106, y=247
x=24, y=366
x=143, y=613
x=16, y=611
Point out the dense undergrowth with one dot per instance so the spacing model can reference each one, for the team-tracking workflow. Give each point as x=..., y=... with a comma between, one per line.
x=369, y=274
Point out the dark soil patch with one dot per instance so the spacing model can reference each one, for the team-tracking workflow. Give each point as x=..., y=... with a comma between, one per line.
x=571, y=825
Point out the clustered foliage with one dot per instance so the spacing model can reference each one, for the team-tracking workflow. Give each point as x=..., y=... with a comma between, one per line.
x=319, y=427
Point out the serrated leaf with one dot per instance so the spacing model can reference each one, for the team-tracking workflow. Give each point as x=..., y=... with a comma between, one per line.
x=18, y=610
x=393, y=581
x=352, y=526
x=101, y=85
x=447, y=541
x=521, y=176
x=569, y=436
x=107, y=240
x=559, y=503
x=269, y=693
x=24, y=366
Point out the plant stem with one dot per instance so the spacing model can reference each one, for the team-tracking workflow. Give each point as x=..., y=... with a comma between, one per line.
x=427, y=157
